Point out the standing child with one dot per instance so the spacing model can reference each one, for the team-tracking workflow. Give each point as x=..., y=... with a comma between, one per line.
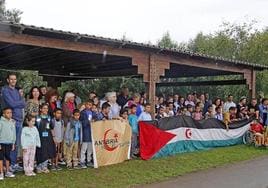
x=86, y=148
x=72, y=139
x=124, y=114
x=47, y=150
x=133, y=121
x=146, y=116
x=29, y=141
x=7, y=141
x=219, y=115
x=58, y=134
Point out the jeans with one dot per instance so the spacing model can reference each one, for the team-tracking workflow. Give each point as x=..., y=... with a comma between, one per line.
x=134, y=143
x=86, y=148
x=14, y=154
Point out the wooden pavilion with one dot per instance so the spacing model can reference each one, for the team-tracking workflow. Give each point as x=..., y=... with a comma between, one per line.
x=60, y=56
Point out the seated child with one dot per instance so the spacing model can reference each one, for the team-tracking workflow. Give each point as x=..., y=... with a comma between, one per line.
x=209, y=113
x=218, y=115
x=258, y=130
x=197, y=115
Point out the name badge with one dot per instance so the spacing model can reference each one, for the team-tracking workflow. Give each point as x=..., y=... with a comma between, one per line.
x=44, y=134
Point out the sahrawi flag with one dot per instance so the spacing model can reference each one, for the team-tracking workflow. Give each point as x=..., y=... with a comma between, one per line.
x=180, y=134
x=111, y=142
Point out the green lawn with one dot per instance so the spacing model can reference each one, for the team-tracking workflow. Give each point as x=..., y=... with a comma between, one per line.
x=137, y=172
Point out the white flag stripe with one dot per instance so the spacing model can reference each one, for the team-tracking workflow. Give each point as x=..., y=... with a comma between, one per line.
x=184, y=133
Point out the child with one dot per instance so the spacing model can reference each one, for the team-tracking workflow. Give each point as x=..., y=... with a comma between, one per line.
x=58, y=134
x=197, y=115
x=48, y=149
x=72, y=139
x=29, y=141
x=258, y=129
x=86, y=148
x=170, y=109
x=145, y=115
x=104, y=114
x=190, y=110
x=133, y=121
x=218, y=114
x=124, y=114
x=209, y=113
x=7, y=141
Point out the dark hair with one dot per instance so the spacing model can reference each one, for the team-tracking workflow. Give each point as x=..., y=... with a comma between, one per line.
x=18, y=88
x=214, y=102
x=133, y=106
x=209, y=106
x=189, y=106
x=217, y=108
x=10, y=74
x=28, y=118
x=50, y=93
x=123, y=111
x=147, y=104
x=76, y=111
x=90, y=101
x=264, y=99
x=57, y=109
x=230, y=95
x=31, y=92
x=105, y=105
x=6, y=108
x=42, y=105
x=232, y=108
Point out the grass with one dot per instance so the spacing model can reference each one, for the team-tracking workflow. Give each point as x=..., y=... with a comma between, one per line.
x=135, y=172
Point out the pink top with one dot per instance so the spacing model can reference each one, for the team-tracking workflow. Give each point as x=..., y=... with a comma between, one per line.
x=197, y=116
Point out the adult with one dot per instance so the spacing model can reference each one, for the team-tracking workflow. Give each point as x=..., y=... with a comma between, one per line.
x=91, y=95
x=216, y=103
x=115, y=108
x=123, y=97
x=229, y=103
x=11, y=98
x=43, y=91
x=242, y=103
x=189, y=100
x=263, y=107
x=51, y=99
x=68, y=107
x=208, y=102
x=32, y=104
x=253, y=108
x=78, y=100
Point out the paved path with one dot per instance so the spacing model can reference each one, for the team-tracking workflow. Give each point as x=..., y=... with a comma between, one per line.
x=246, y=174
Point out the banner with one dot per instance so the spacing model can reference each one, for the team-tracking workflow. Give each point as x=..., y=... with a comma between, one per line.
x=111, y=141
x=180, y=134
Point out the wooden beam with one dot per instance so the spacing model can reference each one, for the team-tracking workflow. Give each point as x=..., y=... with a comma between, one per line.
x=153, y=77
x=202, y=83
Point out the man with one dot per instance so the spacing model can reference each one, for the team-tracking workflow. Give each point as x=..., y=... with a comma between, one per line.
x=207, y=103
x=123, y=97
x=229, y=103
x=11, y=98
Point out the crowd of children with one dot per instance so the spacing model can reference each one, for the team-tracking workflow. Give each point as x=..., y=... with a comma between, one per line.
x=46, y=131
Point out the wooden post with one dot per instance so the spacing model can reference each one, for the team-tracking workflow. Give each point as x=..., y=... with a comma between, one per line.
x=253, y=85
x=152, y=83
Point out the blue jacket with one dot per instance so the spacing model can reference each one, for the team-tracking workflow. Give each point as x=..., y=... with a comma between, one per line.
x=12, y=99
x=86, y=126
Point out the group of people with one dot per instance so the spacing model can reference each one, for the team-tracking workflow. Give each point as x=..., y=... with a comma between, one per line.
x=45, y=129
x=200, y=106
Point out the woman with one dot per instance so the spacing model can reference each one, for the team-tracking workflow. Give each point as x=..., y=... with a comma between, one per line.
x=217, y=103
x=32, y=105
x=51, y=99
x=68, y=107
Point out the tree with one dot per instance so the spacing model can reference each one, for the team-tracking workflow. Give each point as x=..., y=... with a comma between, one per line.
x=13, y=15
x=167, y=42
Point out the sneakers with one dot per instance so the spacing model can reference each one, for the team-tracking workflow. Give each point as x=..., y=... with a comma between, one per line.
x=83, y=166
x=77, y=167
x=58, y=168
x=33, y=174
x=91, y=165
x=62, y=163
x=10, y=175
x=69, y=168
x=53, y=168
x=2, y=176
x=45, y=170
x=16, y=168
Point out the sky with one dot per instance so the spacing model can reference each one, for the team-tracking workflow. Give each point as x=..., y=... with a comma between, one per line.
x=141, y=20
